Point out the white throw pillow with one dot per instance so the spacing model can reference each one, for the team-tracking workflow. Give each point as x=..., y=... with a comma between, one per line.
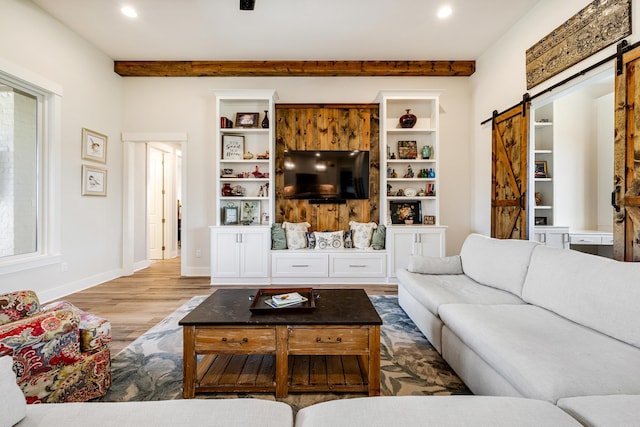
x=329, y=240
x=435, y=265
x=362, y=233
x=295, y=232
x=13, y=406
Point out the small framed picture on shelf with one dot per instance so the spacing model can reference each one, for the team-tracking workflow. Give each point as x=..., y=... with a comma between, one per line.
x=250, y=212
x=247, y=120
x=407, y=150
x=232, y=147
x=405, y=212
x=541, y=169
x=429, y=220
x=264, y=218
x=230, y=214
x=540, y=220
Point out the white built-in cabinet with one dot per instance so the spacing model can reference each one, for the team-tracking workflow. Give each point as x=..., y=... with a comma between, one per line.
x=404, y=184
x=417, y=240
x=244, y=186
x=240, y=254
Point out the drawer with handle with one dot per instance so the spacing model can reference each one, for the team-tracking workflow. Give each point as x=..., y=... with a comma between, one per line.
x=236, y=340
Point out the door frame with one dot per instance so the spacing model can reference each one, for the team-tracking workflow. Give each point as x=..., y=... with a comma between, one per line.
x=129, y=140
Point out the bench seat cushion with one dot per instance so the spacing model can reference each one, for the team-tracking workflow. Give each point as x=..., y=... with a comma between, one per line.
x=604, y=411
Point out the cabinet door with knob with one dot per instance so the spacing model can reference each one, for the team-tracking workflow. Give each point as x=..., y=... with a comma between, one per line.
x=240, y=253
x=424, y=241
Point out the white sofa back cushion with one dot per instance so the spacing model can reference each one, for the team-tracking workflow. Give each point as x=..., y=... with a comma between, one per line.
x=597, y=292
x=497, y=263
x=13, y=406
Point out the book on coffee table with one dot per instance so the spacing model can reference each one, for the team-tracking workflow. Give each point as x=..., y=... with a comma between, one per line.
x=285, y=299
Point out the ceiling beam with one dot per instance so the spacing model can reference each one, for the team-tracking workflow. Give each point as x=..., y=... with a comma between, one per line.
x=294, y=68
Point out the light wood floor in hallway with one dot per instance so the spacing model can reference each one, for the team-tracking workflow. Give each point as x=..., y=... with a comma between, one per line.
x=133, y=304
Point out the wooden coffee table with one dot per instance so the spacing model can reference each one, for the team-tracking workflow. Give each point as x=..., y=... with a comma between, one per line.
x=335, y=347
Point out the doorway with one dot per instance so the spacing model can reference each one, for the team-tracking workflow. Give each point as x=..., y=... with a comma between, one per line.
x=135, y=251
x=162, y=197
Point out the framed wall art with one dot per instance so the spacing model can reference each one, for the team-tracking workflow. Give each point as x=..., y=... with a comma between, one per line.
x=405, y=212
x=94, y=181
x=541, y=169
x=232, y=147
x=407, y=150
x=250, y=212
x=94, y=146
x=247, y=120
x=230, y=214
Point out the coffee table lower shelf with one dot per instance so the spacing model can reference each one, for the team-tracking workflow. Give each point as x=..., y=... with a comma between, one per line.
x=256, y=373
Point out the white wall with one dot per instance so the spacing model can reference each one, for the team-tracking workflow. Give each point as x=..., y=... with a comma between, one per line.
x=500, y=82
x=91, y=242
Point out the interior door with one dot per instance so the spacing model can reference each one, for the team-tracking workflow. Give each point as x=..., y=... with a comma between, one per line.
x=626, y=178
x=155, y=204
x=509, y=166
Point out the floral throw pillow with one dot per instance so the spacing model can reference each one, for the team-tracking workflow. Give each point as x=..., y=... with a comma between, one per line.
x=295, y=232
x=362, y=233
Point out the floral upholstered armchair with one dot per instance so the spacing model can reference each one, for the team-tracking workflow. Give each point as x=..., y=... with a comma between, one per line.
x=60, y=353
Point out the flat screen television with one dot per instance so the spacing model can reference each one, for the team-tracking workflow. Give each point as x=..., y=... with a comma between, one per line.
x=326, y=175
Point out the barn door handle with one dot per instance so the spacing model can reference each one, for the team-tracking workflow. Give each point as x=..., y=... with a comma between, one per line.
x=614, y=198
x=522, y=200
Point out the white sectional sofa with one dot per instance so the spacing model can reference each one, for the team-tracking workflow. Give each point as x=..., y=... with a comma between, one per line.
x=515, y=318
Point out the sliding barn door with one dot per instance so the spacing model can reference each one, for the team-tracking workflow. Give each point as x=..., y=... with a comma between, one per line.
x=509, y=173
x=626, y=175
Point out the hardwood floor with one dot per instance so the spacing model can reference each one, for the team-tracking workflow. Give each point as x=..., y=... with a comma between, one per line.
x=133, y=304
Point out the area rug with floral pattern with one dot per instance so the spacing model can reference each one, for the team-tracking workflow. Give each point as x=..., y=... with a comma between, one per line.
x=150, y=368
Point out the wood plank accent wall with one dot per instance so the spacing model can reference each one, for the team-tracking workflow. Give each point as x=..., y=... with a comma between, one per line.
x=293, y=68
x=328, y=127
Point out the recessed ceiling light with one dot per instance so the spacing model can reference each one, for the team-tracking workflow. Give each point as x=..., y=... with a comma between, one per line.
x=129, y=11
x=444, y=12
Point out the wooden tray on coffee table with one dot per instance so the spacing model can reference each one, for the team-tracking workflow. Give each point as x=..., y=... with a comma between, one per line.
x=260, y=306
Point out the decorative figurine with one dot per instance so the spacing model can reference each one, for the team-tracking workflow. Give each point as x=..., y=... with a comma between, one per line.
x=409, y=173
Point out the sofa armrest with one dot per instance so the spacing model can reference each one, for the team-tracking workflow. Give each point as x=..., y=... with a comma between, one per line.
x=95, y=332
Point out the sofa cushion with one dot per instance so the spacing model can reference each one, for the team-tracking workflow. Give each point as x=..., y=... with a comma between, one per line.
x=598, y=292
x=498, y=263
x=543, y=355
x=174, y=413
x=278, y=237
x=329, y=239
x=379, y=238
x=432, y=291
x=295, y=232
x=362, y=233
x=604, y=411
x=435, y=265
x=13, y=405
x=16, y=305
x=433, y=411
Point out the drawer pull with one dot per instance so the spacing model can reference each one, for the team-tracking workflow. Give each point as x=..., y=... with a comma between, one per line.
x=339, y=339
x=244, y=340
x=358, y=265
x=300, y=265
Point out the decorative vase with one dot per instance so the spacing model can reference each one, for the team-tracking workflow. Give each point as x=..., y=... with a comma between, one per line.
x=408, y=120
x=426, y=152
x=265, y=121
x=226, y=189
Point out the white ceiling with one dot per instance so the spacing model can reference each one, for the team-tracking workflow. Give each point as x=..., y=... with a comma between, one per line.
x=290, y=29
